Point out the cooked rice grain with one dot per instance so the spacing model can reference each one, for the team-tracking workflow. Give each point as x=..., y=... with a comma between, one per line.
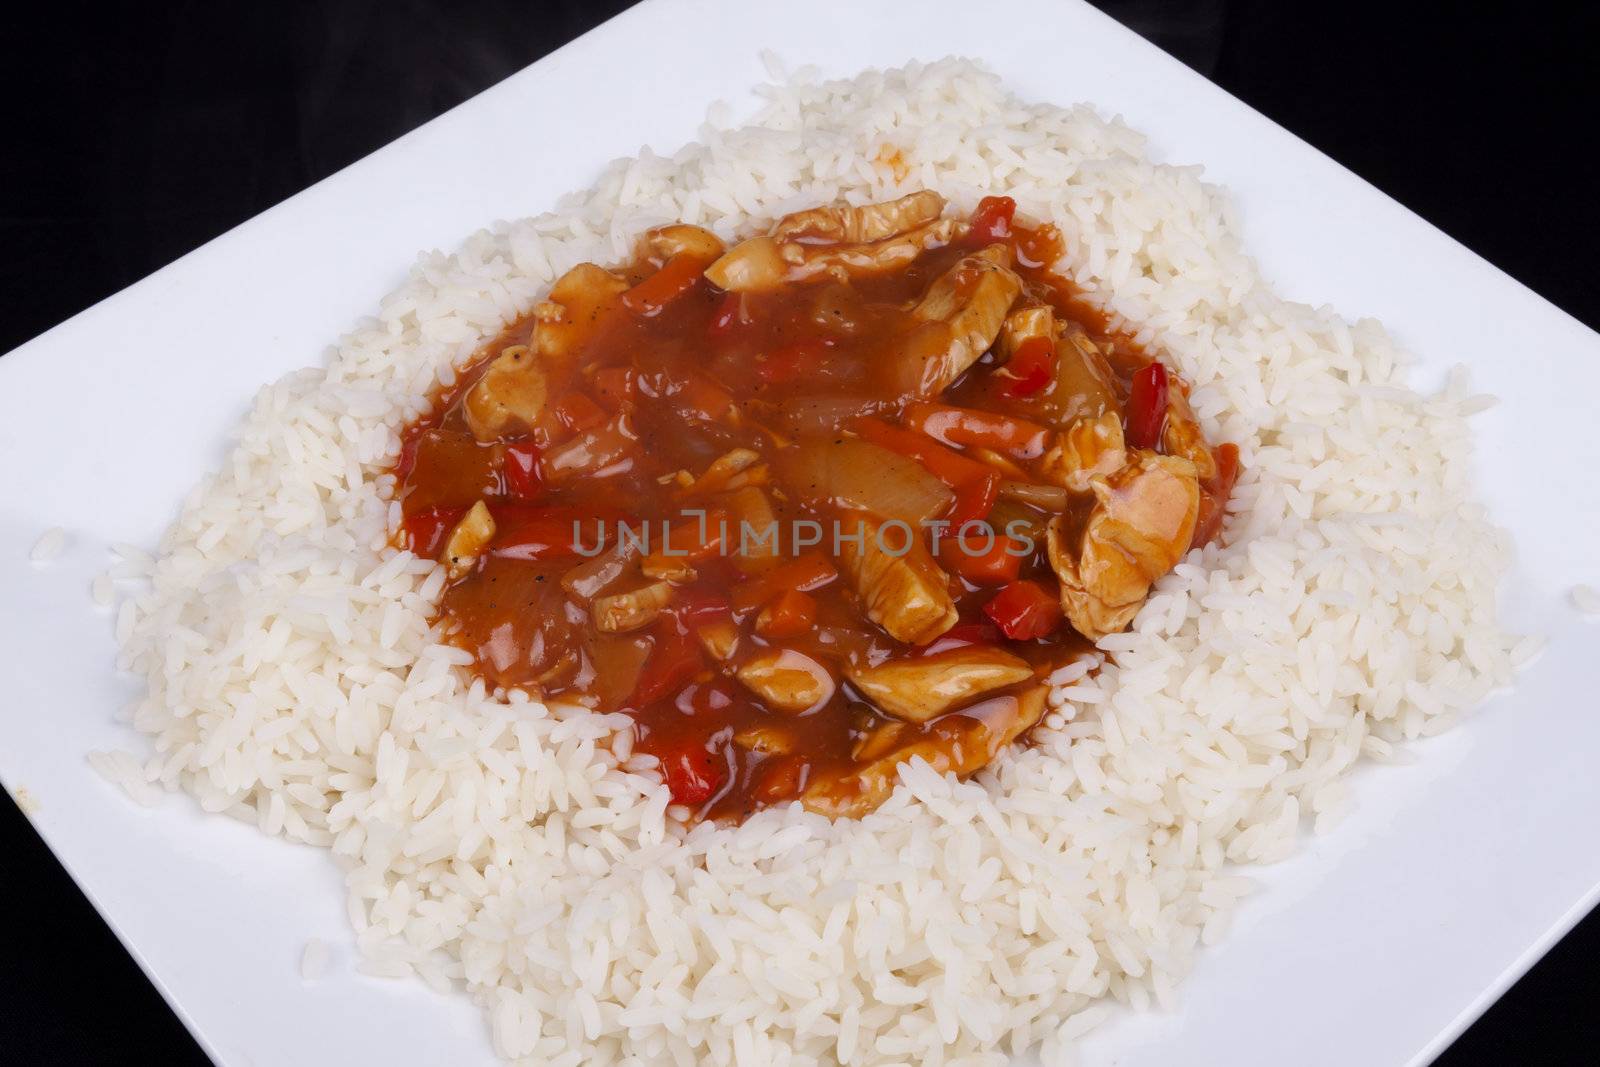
x=507, y=848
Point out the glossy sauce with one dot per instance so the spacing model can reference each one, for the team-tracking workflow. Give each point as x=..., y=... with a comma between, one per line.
x=802, y=362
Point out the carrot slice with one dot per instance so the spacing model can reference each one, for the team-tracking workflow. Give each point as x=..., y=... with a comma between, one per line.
x=789, y=613
x=984, y=429
x=805, y=574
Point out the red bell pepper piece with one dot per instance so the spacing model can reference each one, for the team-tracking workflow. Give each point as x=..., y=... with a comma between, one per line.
x=985, y=429
x=407, y=459
x=789, y=613
x=1031, y=367
x=519, y=470
x=533, y=533
x=693, y=772
x=992, y=220
x=425, y=530
x=962, y=634
x=996, y=565
x=677, y=276
x=1147, y=405
x=975, y=500
x=1214, y=493
x=1023, y=610
x=674, y=659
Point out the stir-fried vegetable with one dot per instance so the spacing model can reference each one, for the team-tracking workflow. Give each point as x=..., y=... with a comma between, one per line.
x=867, y=476
x=840, y=495
x=1023, y=610
x=1147, y=406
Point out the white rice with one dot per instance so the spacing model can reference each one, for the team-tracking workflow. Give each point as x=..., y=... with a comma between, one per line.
x=503, y=849
x=49, y=545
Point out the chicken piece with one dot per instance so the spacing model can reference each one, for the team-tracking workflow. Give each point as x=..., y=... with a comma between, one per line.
x=764, y=263
x=673, y=569
x=859, y=225
x=765, y=740
x=467, y=541
x=843, y=262
x=624, y=612
x=665, y=242
x=1024, y=324
x=1088, y=448
x=583, y=294
x=1082, y=402
x=965, y=308
x=880, y=740
x=508, y=396
x=1005, y=725
x=922, y=688
x=907, y=594
x=724, y=471
x=750, y=266
x=964, y=743
x=1141, y=525
x=1182, y=436
x=720, y=639
x=787, y=680
x=753, y=527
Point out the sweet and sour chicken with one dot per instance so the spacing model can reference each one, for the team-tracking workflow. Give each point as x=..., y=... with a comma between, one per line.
x=838, y=496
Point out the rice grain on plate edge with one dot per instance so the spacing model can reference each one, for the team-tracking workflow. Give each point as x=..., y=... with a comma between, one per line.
x=293, y=680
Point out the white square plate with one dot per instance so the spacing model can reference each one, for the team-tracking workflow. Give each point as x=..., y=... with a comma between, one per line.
x=1375, y=945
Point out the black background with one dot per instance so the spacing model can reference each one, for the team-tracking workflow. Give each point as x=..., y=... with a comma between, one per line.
x=133, y=135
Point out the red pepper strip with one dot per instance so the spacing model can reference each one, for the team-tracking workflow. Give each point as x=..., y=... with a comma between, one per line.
x=693, y=772
x=677, y=276
x=426, y=529
x=975, y=500
x=1031, y=367
x=407, y=459
x=806, y=573
x=789, y=613
x=1214, y=493
x=992, y=220
x=532, y=533
x=519, y=470
x=1147, y=405
x=976, y=484
x=986, y=429
x=996, y=566
x=576, y=413
x=674, y=659
x=961, y=634
x=791, y=362
x=1023, y=610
